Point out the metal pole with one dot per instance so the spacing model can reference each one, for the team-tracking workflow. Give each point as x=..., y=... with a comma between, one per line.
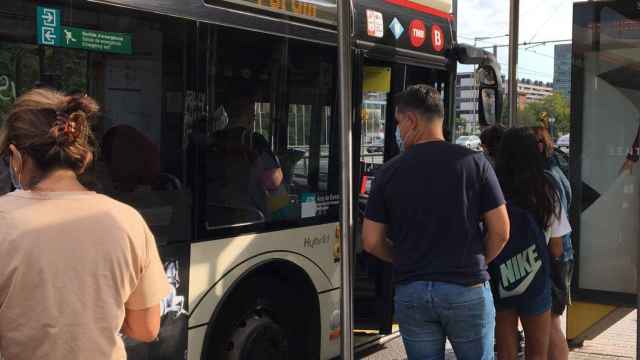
x=514, y=22
x=346, y=149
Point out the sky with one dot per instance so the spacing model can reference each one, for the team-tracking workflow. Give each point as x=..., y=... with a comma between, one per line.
x=540, y=20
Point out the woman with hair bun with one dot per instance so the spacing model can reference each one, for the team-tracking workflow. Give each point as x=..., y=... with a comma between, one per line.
x=77, y=268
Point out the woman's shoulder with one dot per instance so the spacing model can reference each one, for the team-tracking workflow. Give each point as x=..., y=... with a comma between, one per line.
x=118, y=207
x=123, y=217
x=11, y=201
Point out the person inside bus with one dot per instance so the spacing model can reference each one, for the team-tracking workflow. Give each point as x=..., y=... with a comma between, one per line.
x=431, y=201
x=562, y=266
x=521, y=280
x=243, y=172
x=131, y=158
x=78, y=268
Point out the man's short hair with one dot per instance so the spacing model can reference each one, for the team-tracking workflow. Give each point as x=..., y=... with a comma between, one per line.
x=422, y=99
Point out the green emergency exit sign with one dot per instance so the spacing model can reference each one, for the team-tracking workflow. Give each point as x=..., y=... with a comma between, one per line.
x=49, y=31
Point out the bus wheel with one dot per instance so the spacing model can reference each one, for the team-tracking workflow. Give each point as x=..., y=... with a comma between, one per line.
x=257, y=338
x=258, y=321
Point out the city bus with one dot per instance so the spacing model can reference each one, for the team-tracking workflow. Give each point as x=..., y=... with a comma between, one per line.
x=219, y=124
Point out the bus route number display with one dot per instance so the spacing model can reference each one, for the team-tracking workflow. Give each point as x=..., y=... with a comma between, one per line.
x=322, y=10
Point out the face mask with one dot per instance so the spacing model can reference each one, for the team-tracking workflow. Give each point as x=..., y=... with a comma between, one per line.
x=14, y=178
x=399, y=140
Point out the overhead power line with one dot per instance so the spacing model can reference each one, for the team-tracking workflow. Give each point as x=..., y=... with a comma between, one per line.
x=551, y=16
x=538, y=53
x=526, y=43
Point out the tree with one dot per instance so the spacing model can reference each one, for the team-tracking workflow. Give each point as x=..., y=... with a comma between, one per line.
x=556, y=105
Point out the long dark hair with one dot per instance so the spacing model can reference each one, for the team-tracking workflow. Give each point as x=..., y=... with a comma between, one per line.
x=520, y=169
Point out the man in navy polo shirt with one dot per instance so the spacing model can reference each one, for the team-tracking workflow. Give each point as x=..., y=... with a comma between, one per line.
x=431, y=202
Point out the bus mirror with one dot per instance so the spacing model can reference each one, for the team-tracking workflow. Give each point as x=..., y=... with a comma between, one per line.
x=489, y=80
x=490, y=96
x=489, y=106
x=486, y=76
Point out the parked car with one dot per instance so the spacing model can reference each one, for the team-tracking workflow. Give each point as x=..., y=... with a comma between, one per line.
x=563, y=143
x=470, y=141
x=376, y=147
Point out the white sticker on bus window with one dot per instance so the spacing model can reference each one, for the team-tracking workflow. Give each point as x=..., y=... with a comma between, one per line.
x=375, y=24
x=309, y=207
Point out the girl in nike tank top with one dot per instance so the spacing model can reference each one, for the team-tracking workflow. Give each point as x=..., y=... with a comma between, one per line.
x=520, y=274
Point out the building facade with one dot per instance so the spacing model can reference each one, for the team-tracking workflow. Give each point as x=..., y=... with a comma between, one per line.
x=562, y=69
x=534, y=90
x=467, y=102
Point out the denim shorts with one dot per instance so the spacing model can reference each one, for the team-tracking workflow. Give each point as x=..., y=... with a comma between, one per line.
x=527, y=304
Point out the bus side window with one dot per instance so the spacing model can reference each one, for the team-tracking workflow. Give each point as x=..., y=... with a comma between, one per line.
x=133, y=163
x=271, y=162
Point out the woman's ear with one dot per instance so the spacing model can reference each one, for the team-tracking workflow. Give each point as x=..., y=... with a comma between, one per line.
x=16, y=158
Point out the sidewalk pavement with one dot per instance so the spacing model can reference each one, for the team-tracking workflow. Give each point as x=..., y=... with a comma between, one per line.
x=617, y=343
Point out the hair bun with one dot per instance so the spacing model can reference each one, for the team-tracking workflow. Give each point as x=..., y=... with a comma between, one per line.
x=53, y=129
x=70, y=129
x=81, y=103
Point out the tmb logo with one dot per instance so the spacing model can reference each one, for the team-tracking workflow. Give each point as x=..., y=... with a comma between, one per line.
x=417, y=33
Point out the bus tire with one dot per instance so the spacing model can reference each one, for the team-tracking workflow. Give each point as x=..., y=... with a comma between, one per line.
x=259, y=321
x=257, y=337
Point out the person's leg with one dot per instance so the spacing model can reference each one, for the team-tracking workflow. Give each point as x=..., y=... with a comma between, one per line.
x=560, y=297
x=536, y=328
x=421, y=331
x=507, y=334
x=558, y=348
x=468, y=317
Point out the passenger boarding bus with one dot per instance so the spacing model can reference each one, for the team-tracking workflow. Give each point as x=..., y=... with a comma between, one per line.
x=219, y=125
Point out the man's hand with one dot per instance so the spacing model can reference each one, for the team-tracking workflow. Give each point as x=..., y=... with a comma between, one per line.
x=374, y=240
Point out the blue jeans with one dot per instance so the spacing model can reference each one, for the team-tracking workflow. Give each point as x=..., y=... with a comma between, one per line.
x=430, y=312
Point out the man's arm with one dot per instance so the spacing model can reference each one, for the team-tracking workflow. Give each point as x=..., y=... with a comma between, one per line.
x=497, y=224
x=374, y=240
x=272, y=178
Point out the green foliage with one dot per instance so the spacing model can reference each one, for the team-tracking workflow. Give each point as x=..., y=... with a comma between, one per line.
x=556, y=105
x=20, y=70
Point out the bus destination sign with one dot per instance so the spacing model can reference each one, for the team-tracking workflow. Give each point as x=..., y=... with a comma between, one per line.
x=318, y=10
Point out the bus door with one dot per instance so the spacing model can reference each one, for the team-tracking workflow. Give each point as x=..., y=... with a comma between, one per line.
x=373, y=92
x=377, y=82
